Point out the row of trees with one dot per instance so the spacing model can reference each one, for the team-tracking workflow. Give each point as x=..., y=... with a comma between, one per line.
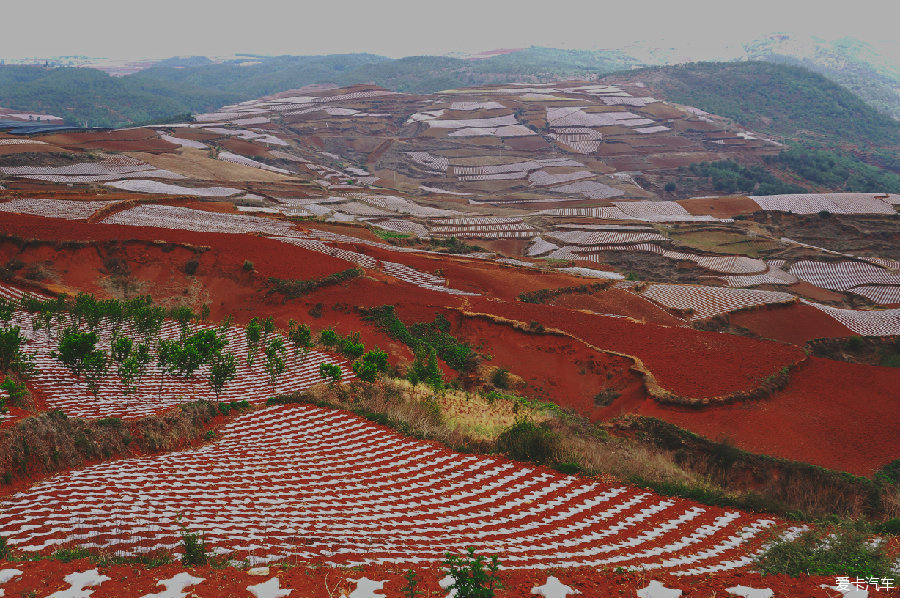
x=136, y=342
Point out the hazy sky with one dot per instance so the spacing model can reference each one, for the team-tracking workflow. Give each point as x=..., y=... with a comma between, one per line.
x=163, y=28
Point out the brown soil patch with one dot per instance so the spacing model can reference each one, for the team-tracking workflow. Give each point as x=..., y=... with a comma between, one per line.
x=794, y=323
x=720, y=207
x=820, y=418
x=245, y=148
x=531, y=143
x=811, y=291
x=197, y=164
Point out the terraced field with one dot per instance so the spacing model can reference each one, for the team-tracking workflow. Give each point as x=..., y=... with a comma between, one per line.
x=336, y=488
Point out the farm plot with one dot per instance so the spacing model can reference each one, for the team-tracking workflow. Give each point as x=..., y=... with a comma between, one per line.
x=883, y=295
x=575, y=116
x=336, y=488
x=400, y=205
x=607, y=213
x=884, y=322
x=54, y=208
x=436, y=163
x=179, y=218
x=397, y=270
x=835, y=203
x=109, y=169
x=403, y=226
x=589, y=189
x=238, y=159
x=157, y=392
x=542, y=178
x=604, y=237
x=183, y=142
x=149, y=186
x=843, y=276
x=580, y=140
x=774, y=275
x=22, y=142
x=706, y=302
x=540, y=246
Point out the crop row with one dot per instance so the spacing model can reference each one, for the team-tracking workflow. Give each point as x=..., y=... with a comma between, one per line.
x=705, y=302
x=337, y=488
x=156, y=391
x=54, y=208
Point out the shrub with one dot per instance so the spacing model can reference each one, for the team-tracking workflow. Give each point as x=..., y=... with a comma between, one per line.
x=500, y=378
x=16, y=391
x=190, y=267
x=670, y=187
x=425, y=369
x=605, y=397
x=842, y=549
x=248, y=266
x=330, y=372
x=370, y=364
x=351, y=346
x=292, y=289
x=472, y=575
x=410, y=589
x=527, y=441
x=300, y=335
x=195, y=552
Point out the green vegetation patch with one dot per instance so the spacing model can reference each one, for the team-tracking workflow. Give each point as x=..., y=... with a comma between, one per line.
x=291, y=289
x=776, y=99
x=727, y=176
x=425, y=337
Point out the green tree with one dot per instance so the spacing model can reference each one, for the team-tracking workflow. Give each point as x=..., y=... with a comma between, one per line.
x=301, y=337
x=367, y=367
x=253, y=334
x=425, y=369
x=11, y=355
x=275, y=364
x=330, y=372
x=222, y=369
x=74, y=348
x=183, y=315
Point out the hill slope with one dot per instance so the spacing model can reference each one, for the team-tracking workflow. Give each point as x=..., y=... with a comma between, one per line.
x=776, y=99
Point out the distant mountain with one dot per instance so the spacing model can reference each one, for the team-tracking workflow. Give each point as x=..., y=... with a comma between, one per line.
x=868, y=72
x=781, y=100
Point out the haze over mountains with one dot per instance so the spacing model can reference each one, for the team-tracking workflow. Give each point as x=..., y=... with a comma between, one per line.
x=153, y=90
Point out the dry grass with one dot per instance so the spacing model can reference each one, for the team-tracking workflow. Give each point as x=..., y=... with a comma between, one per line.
x=196, y=164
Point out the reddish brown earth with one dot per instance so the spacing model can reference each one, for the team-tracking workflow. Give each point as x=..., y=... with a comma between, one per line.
x=794, y=323
x=820, y=418
x=120, y=140
x=811, y=291
x=835, y=408
x=307, y=580
x=619, y=302
x=720, y=207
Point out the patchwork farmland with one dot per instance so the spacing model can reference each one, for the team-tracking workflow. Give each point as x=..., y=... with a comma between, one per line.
x=498, y=329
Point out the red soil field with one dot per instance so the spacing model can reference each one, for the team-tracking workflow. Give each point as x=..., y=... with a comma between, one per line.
x=121, y=140
x=687, y=362
x=620, y=302
x=794, y=323
x=822, y=403
x=307, y=579
x=820, y=418
x=720, y=207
